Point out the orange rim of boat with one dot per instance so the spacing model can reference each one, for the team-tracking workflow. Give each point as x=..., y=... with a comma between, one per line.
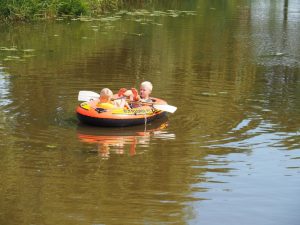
x=89, y=113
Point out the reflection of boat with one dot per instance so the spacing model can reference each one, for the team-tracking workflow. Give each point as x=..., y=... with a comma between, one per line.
x=90, y=113
x=118, y=139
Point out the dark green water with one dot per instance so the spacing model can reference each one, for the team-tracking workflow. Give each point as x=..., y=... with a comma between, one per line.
x=229, y=155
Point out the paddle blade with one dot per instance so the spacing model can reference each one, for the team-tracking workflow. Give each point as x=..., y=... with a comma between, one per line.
x=166, y=108
x=87, y=96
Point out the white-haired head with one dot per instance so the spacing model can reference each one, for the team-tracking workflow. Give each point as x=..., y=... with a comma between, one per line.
x=147, y=85
x=145, y=89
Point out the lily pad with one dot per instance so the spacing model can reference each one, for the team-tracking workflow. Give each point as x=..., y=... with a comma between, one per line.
x=122, y=12
x=109, y=19
x=174, y=15
x=191, y=13
x=13, y=49
x=160, y=13
x=7, y=59
x=157, y=24
x=279, y=54
x=137, y=34
x=208, y=94
x=28, y=50
x=109, y=27
x=28, y=56
x=84, y=19
x=13, y=57
x=51, y=146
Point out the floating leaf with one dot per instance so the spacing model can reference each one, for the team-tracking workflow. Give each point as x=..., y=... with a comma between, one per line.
x=84, y=19
x=267, y=110
x=51, y=146
x=186, y=11
x=28, y=56
x=160, y=13
x=109, y=19
x=136, y=34
x=122, y=12
x=190, y=13
x=13, y=57
x=10, y=58
x=28, y=50
x=109, y=27
x=8, y=49
x=208, y=94
x=279, y=54
x=256, y=107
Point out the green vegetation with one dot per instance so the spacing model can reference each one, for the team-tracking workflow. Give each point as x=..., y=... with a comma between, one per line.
x=26, y=10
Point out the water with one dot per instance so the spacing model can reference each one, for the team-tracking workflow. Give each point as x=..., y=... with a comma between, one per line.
x=229, y=155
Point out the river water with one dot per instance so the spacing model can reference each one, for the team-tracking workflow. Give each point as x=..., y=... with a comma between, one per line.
x=229, y=155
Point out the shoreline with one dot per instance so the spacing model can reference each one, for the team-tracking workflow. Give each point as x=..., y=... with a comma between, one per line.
x=43, y=10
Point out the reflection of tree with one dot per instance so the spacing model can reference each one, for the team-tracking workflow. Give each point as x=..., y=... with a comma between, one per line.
x=278, y=66
x=285, y=10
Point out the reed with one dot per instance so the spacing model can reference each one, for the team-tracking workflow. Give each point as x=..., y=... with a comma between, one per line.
x=28, y=10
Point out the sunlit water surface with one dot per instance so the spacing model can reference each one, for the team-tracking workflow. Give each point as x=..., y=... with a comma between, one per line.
x=229, y=155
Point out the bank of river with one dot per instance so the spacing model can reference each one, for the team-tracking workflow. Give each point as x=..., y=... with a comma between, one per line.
x=48, y=9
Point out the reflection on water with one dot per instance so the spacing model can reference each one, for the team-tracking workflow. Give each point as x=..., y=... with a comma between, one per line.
x=4, y=88
x=231, y=68
x=121, y=140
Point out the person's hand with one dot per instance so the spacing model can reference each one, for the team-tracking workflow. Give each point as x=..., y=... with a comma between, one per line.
x=121, y=92
x=135, y=93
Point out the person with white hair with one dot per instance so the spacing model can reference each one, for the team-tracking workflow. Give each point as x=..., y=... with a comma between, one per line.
x=145, y=91
x=144, y=96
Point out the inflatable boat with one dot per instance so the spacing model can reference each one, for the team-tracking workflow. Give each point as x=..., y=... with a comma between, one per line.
x=90, y=113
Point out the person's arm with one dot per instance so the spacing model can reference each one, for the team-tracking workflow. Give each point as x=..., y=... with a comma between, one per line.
x=121, y=103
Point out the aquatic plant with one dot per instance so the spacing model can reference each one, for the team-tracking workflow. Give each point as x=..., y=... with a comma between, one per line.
x=27, y=10
x=71, y=7
x=42, y=9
